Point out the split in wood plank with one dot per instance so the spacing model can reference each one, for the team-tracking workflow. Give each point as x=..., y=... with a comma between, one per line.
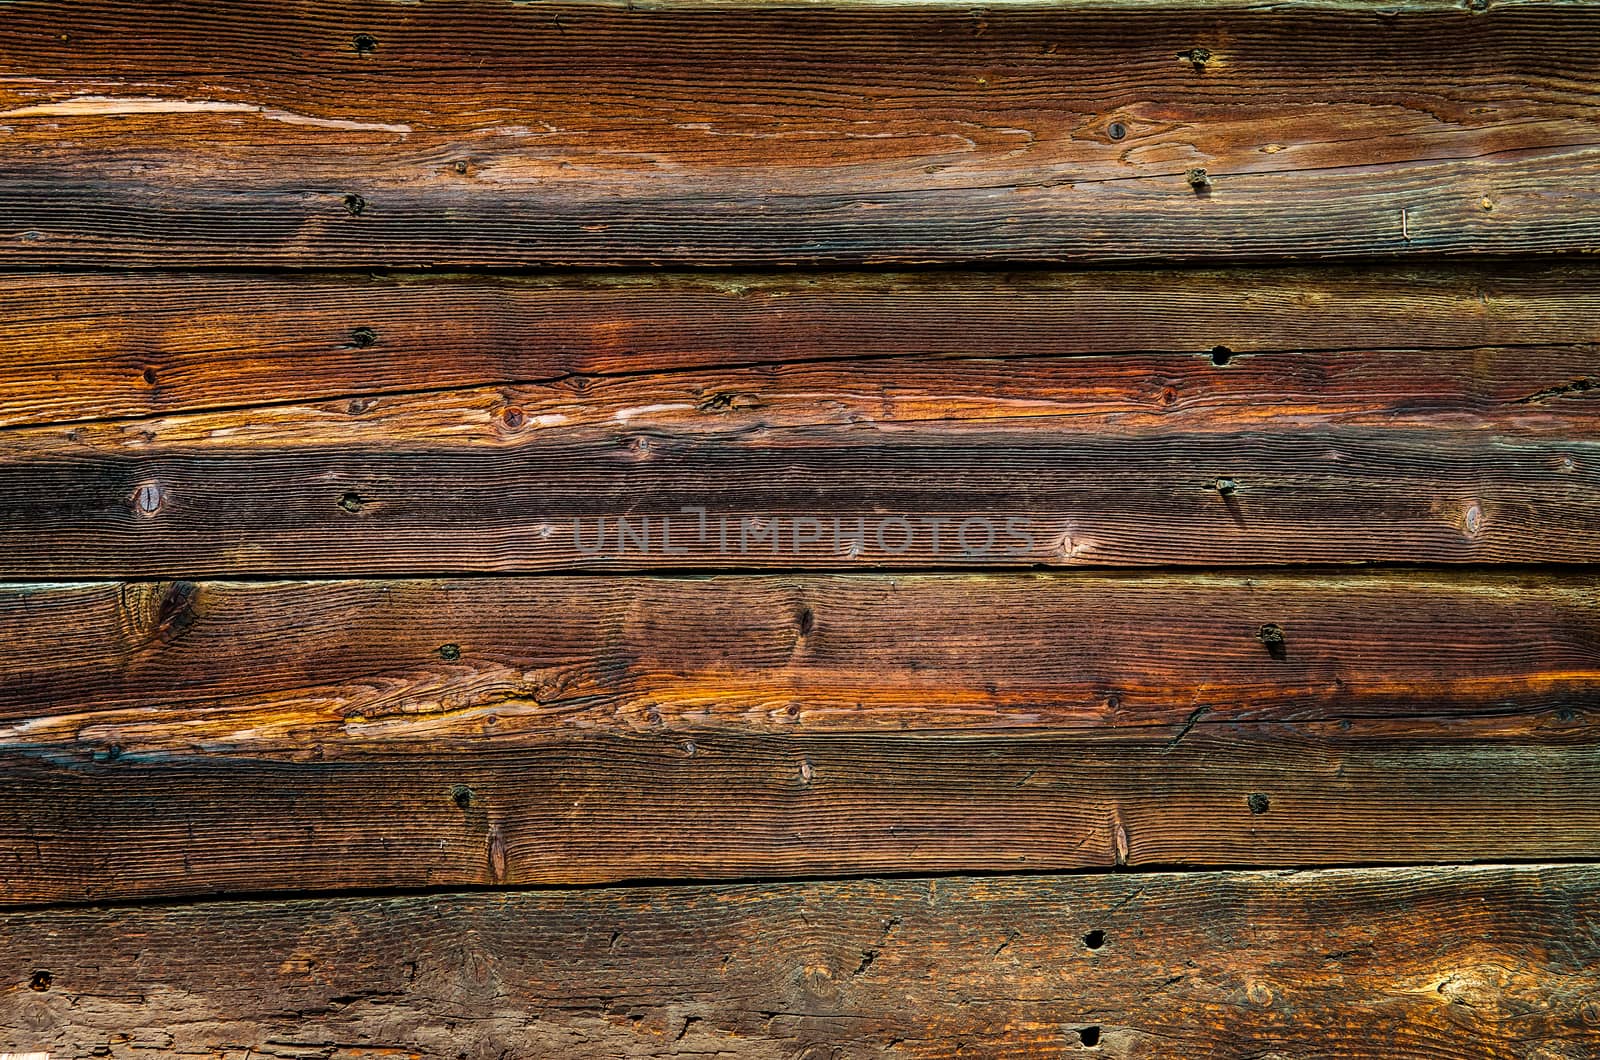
x=106, y=345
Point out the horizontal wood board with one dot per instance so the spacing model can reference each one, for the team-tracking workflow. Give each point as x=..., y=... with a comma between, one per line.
x=1490, y=963
x=503, y=134
x=239, y=738
x=469, y=424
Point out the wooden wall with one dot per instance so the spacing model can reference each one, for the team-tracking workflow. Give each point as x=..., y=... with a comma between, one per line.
x=812, y=531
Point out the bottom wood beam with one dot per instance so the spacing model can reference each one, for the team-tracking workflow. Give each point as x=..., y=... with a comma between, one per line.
x=1477, y=962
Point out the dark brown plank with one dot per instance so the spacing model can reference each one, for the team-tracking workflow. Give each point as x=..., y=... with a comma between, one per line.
x=99, y=345
x=1475, y=456
x=488, y=132
x=94, y=823
x=1490, y=963
x=227, y=738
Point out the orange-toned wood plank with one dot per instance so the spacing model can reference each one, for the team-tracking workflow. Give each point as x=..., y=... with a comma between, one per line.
x=234, y=737
x=265, y=668
x=80, y=346
x=489, y=132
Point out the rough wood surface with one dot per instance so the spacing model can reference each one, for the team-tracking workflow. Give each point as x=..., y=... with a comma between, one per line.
x=167, y=415
x=490, y=132
x=95, y=824
x=1476, y=456
x=79, y=346
x=1488, y=963
x=238, y=738
x=276, y=669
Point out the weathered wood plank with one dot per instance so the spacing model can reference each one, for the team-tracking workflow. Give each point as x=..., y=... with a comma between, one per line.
x=106, y=344
x=489, y=132
x=1491, y=963
x=98, y=824
x=226, y=738
x=1441, y=456
x=1466, y=435
x=267, y=669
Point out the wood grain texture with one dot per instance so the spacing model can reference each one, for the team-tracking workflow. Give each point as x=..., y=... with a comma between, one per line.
x=1490, y=963
x=96, y=824
x=1479, y=456
x=498, y=424
x=494, y=133
x=79, y=346
x=172, y=424
x=235, y=738
x=276, y=669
